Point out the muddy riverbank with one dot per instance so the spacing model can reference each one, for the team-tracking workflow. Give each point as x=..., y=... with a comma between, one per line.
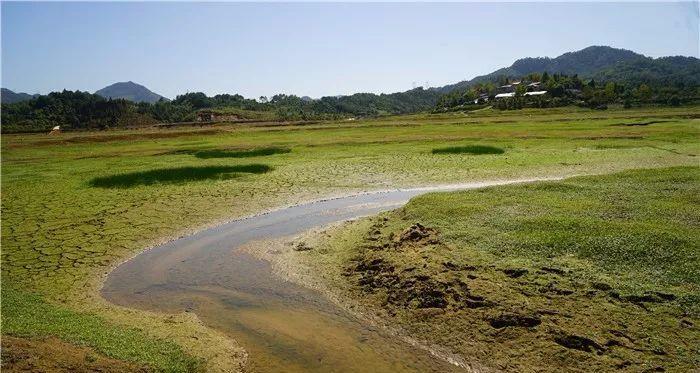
x=283, y=326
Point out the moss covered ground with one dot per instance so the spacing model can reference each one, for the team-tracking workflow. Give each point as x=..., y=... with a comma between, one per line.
x=594, y=273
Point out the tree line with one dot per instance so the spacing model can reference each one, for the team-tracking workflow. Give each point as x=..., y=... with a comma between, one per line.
x=83, y=110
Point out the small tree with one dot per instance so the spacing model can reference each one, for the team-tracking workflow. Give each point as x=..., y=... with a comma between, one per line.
x=644, y=92
x=610, y=91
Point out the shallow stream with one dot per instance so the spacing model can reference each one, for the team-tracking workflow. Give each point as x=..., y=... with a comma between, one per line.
x=283, y=326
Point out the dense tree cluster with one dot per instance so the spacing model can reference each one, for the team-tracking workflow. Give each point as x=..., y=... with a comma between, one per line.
x=583, y=63
x=565, y=90
x=82, y=110
x=676, y=72
x=70, y=110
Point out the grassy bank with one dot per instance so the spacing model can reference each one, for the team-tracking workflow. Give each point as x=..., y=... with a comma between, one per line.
x=592, y=273
x=76, y=204
x=27, y=315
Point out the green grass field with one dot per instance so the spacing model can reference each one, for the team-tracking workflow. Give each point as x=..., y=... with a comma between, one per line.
x=76, y=204
x=593, y=273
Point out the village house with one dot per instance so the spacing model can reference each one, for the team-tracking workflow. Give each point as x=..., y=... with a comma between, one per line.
x=534, y=86
x=505, y=95
x=484, y=97
x=535, y=93
x=512, y=94
x=508, y=88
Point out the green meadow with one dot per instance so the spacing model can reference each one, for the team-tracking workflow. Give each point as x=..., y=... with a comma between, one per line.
x=76, y=204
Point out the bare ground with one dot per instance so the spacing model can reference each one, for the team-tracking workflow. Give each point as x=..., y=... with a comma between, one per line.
x=54, y=355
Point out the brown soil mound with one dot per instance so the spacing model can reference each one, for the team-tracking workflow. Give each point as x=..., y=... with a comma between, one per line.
x=54, y=355
x=419, y=234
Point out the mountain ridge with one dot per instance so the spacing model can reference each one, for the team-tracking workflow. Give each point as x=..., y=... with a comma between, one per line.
x=129, y=91
x=586, y=63
x=8, y=96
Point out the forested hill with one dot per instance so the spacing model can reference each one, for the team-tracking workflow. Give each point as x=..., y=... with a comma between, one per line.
x=676, y=71
x=9, y=97
x=586, y=63
x=594, y=77
x=129, y=91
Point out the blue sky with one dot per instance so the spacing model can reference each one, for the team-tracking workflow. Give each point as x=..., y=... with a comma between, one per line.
x=313, y=49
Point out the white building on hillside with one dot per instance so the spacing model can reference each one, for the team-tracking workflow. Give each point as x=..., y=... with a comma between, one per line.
x=505, y=95
x=535, y=93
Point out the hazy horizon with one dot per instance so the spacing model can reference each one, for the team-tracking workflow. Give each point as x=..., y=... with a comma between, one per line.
x=315, y=50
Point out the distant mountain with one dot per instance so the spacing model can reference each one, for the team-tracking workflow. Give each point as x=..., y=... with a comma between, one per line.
x=9, y=97
x=585, y=63
x=129, y=91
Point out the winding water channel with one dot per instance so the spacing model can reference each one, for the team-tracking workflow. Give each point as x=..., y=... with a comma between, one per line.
x=283, y=326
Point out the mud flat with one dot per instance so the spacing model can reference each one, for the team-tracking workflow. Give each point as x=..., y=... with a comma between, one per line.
x=283, y=326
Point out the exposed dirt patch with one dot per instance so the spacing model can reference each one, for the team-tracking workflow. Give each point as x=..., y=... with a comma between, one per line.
x=55, y=355
x=515, y=272
x=507, y=320
x=411, y=286
x=556, y=271
x=453, y=296
x=641, y=299
x=417, y=233
x=601, y=286
x=578, y=343
x=302, y=246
